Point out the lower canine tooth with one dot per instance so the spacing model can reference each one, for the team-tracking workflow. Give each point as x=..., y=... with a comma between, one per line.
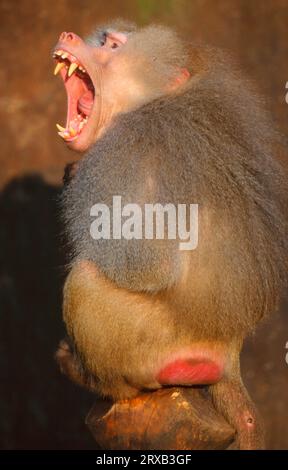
x=60, y=128
x=64, y=135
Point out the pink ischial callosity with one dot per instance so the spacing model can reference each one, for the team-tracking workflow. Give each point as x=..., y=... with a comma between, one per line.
x=194, y=371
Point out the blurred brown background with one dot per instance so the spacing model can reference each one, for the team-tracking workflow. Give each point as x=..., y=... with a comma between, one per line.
x=39, y=409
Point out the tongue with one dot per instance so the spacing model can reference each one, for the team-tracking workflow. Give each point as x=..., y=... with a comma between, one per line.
x=85, y=103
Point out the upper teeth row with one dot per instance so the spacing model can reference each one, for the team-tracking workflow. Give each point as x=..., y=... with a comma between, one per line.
x=73, y=65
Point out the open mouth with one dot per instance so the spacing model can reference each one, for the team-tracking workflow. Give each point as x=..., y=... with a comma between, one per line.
x=80, y=94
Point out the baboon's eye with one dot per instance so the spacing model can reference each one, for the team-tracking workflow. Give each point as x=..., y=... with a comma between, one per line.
x=103, y=40
x=113, y=40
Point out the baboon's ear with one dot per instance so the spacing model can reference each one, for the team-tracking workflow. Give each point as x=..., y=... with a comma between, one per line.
x=181, y=78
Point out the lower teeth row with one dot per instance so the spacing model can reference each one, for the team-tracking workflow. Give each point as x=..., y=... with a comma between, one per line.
x=74, y=128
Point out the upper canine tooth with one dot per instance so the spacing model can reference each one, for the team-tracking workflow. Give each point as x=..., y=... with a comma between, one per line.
x=58, y=67
x=58, y=52
x=72, y=69
x=65, y=55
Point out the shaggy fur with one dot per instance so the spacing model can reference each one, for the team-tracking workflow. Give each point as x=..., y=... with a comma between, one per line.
x=211, y=145
x=131, y=305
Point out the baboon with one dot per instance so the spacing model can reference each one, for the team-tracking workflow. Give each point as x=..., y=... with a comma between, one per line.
x=162, y=121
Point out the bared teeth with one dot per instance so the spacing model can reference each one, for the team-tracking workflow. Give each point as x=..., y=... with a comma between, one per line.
x=72, y=69
x=60, y=128
x=74, y=128
x=72, y=131
x=73, y=63
x=58, y=67
x=65, y=135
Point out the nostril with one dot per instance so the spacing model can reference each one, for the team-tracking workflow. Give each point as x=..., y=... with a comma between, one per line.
x=69, y=37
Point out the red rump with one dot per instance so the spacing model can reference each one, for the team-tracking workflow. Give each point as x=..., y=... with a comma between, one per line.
x=190, y=372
